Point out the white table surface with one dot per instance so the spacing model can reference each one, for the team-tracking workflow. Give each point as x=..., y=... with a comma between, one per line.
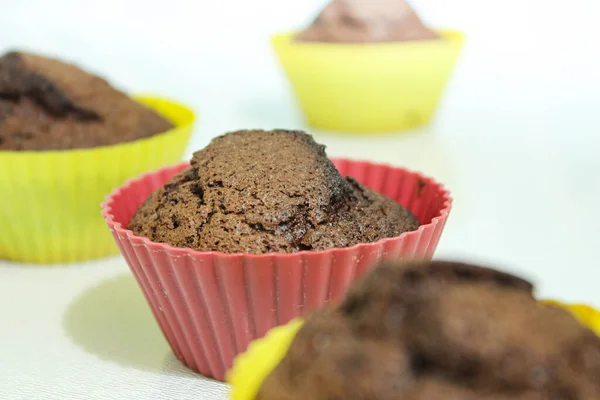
x=516, y=140
x=85, y=332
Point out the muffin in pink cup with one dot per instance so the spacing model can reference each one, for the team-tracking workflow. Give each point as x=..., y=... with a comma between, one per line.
x=261, y=228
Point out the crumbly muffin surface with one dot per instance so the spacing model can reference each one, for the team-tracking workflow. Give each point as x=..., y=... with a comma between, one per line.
x=266, y=191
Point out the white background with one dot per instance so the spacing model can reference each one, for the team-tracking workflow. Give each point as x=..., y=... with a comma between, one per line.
x=516, y=139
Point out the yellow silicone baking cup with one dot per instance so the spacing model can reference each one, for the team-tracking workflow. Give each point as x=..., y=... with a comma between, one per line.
x=251, y=368
x=50, y=200
x=374, y=87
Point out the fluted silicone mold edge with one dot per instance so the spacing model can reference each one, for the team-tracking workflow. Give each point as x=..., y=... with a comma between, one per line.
x=211, y=305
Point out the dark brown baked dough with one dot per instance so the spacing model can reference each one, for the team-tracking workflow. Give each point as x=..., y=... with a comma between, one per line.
x=439, y=330
x=46, y=104
x=267, y=191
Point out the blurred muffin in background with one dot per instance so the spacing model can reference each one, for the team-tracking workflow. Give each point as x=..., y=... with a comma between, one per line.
x=368, y=66
x=46, y=104
x=66, y=139
x=360, y=21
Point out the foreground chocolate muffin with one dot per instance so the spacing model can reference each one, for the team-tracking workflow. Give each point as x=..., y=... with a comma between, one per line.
x=266, y=191
x=365, y=21
x=439, y=330
x=46, y=104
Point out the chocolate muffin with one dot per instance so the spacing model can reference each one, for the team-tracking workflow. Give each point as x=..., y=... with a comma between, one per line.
x=439, y=330
x=46, y=104
x=267, y=191
x=366, y=21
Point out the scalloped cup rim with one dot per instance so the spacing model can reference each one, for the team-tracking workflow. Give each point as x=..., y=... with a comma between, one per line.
x=107, y=207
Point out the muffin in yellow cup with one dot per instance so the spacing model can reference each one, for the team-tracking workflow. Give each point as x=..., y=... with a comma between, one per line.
x=516, y=356
x=368, y=66
x=375, y=87
x=50, y=203
x=67, y=138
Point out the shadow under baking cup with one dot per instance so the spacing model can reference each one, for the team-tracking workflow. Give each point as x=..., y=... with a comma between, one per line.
x=113, y=322
x=372, y=87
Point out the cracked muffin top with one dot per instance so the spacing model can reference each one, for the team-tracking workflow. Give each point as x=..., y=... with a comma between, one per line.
x=439, y=330
x=257, y=191
x=46, y=104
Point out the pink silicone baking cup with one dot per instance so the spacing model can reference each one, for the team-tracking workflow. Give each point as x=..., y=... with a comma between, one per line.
x=211, y=305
